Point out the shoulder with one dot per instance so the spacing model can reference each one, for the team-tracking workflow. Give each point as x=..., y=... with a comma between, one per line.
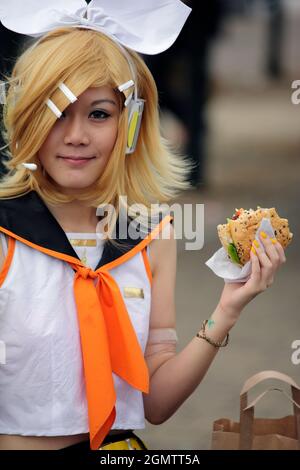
x=163, y=255
x=163, y=250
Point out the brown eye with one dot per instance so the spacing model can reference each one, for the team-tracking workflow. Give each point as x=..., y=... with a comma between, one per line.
x=100, y=115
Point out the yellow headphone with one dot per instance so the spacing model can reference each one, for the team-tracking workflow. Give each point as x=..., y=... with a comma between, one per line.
x=135, y=108
x=135, y=114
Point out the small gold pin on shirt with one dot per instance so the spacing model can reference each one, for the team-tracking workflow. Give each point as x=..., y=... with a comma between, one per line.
x=133, y=292
x=83, y=242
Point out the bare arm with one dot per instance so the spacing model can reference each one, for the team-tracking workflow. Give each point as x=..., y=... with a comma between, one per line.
x=174, y=377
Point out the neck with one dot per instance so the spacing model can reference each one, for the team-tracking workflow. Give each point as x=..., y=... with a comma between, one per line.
x=75, y=216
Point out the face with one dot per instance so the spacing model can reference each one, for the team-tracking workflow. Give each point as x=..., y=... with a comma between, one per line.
x=80, y=143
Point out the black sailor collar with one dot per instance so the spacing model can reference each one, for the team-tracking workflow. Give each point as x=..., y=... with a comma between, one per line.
x=28, y=217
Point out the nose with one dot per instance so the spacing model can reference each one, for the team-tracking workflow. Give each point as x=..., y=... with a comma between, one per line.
x=76, y=132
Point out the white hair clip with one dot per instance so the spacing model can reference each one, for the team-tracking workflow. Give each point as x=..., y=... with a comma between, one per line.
x=54, y=108
x=128, y=100
x=28, y=166
x=67, y=92
x=126, y=85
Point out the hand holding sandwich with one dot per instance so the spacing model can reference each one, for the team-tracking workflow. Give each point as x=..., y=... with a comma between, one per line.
x=238, y=239
x=236, y=296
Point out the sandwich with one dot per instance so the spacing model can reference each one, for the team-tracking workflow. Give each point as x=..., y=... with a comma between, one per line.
x=239, y=233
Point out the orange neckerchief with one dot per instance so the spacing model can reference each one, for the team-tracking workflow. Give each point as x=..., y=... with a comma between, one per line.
x=109, y=344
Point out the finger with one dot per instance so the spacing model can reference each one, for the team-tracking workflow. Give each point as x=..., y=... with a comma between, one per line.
x=262, y=256
x=265, y=278
x=254, y=282
x=279, y=248
x=268, y=268
x=270, y=250
x=255, y=265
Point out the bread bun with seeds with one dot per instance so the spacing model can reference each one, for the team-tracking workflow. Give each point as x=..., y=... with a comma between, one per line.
x=238, y=234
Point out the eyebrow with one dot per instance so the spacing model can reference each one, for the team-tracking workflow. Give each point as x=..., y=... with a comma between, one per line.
x=104, y=100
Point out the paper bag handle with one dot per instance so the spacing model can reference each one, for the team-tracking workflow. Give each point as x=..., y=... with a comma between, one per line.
x=247, y=411
x=257, y=399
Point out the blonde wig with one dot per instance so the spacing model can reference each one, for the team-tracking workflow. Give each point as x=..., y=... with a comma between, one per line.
x=83, y=58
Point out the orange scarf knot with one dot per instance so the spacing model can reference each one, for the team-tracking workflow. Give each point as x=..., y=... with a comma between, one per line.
x=86, y=272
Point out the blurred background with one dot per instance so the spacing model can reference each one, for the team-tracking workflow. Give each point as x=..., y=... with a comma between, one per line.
x=225, y=101
x=225, y=94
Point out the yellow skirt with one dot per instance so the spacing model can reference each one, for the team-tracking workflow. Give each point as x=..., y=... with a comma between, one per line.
x=123, y=441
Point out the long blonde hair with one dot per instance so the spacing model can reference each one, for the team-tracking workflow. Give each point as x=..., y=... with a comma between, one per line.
x=83, y=58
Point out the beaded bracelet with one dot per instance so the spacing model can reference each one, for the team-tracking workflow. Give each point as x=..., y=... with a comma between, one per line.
x=216, y=344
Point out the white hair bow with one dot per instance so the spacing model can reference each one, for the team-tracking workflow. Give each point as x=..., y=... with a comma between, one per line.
x=146, y=26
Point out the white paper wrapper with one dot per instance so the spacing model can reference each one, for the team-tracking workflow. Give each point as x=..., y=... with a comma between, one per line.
x=221, y=265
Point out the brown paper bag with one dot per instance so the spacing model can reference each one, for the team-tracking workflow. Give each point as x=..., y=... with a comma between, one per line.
x=258, y=433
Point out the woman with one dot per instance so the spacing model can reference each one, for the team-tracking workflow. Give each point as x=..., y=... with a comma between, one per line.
x=88, y=318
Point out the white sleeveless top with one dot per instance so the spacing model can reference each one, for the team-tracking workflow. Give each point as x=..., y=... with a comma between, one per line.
x=42, y=386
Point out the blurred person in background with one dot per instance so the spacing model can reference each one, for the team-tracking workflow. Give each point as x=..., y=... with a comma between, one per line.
x=10, y=44
x=182, y=77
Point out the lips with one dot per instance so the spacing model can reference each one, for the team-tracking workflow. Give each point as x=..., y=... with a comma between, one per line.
x=76, y=160
x=75, y=157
